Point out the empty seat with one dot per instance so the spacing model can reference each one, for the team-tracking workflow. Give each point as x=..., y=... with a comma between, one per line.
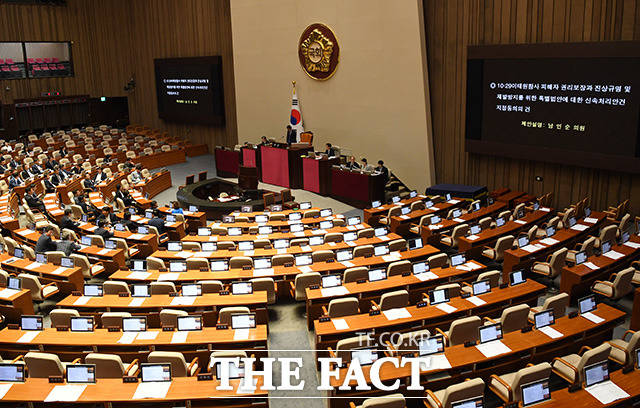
x=354, y=274
x=179, y=367
x=462, y=330
x=113, y=319
x=622, y=349
x=385, y=401
x=111, y=365
x=497, y=252
x=267, y=285
x=343, y=307
x=211, y=286
x=462, y=391
x=169, y=317
x=558, y=303
x=492, y=276
x=395, y=299
x=452, y=240
x=513, y=318
x=44, y=365
x=62, y=317
x=38, y=291
x=618, y=287
x=162, y=288
x=363, y=250
x=224, y=316
x=322, y=256
x=553, y=266
x=507, y=386
x=452, y=288
x=303, y=281
x=115, y=287
x=237, y=262
x=438, y=261
x=398, y=267
x=571, y=367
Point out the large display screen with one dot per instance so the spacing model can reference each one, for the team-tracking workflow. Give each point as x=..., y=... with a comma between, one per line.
x=565, y=103
x=189, y=90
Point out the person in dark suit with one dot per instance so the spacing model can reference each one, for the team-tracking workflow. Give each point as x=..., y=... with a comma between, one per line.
x=124, y=195
x=13, y=163
x=352, y=164
x=63, y=151
x=264, y=141
x=36, y=169
x=15, y=180
x=33, y=200
x=87, y=183
x=108, y=216
x=103, y=230
x=157, y=222
x=66, y=221
x=66, y=244
x=382, y=170
x=291, y=135
x=100, y=177
x=126, y=221
x=329, y=150
x=27, y=173
x=81, y=201
x=50, y=164
x=45, y=242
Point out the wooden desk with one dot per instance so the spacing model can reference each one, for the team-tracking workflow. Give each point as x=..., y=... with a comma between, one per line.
x=268, y=253
x=114, y=391
x=577, y=280
x=564, y=238
x=175, y=230
x=510, y=197
x=161, y=159
x=428, y=317
x=635, y=314
x=306, y=222
x=52, y=206
x=317, y=174
x=71, y=345
x=400, y=223
x=355, y=188
x=68, y=279
x=14, y=303
x=147, y=243
x=317, y=298
x=109, y=186
x=196, y=150
x=431, y=233
x=194, y=220
x=158, y=182
x=282, y=275
x=70, y=186
x=113, y=259
x=473, y=247
x=532, y=347
x=371, y=215
x=307, y=233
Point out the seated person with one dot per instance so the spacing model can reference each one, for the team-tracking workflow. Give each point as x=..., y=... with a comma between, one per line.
x=382, y=170
x=104, y=230
x=352, y=164
x=45, y=242
x=366, y=167
x=124, y=195
x=33, y=200
x=66, y=244
x=176, y=208
x=66, y=221
x=158, y=222
x=264, y=141
x=329, y=151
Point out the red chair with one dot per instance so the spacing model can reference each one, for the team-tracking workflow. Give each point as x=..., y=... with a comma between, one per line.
x=202, y=176
x=15, y=68
x=44, y=68
x=30, y=60
x=46, y=60
x=8, y=61
x=1, y=61
x=6, y=69
x=55, y=60
x=53, y=67
x=60, y=66
x=38, y=60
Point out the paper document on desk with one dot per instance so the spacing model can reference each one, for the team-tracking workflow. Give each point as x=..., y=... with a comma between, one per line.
x=614, y=255
x=340, y=324
x=607, y=392
x=139, y=275
x=246, y=388
x=473, y=266
x=319, y=232
x=591, y=220
x=463, y=267
x=4, y=388
x=212, y=238
x=59, y=270
x=530, y=248
x=179, y=337
x=579, y=227
x=472, y=237
x=384, y=238
x=171, y=276
x=7, y=293
x=348, y=264
x=183, y=300
x=633, y=245
x=438, y=362
x=67, y=393
x=82, y=300
x=241, y=334
x=305, y=248
x=127, y=337
x=549, y=241
x=335, y=291
x=476, y=300
x=28, y=337
x=33, y=265
x=136, y=237
x=447, y=308
x=351, y=228
x=136, y=302
x=104, y=251
x=591, y=265
x=551, y=332
x=391, y=257
x=493, y=348
x=184, y=254
x=404, y=217
x=398, y=313
x=453, y=201
x=520, y=222
x=281, y=251
x=592, y=317
x=425, y=276
x=305, y=269
x=152, y=390
x=458, y=220
x=332, y=244
x=202, y=254
x=147, y=335
x=257, y=273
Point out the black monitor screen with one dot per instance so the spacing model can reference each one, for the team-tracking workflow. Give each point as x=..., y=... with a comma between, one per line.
x=562, y=103
x=189, y=90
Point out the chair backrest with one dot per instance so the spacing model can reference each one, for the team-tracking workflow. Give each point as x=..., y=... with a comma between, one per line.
x=386, y=401
x=363, y=233
x=527, y=375
x=224, y=316
x=354, y=274
x=197, y=263
x=502, y=244
x=43, y=365
x=162, y=288
x=588, y=245
x=154, y=263
x=32, y=283
x=557, y=303
x=211, y=286
x=266, y=285
x=452, y=288
x=333, y=237
x=593, y=356
x=175, y=358
x=557, y=261
x=62, y=317
x=279, y=260
x=322, y=255
x=394, y=211
x=463, y=391
x=240, y=261
x=306, y=137
x=114, y=287
x=608, y=233
x=398, y=245
x=514, y=318
x=410, y=341
x=625, y=223
x=622, y=282
x=107, y=365
x=463, y=330
x=363, y=250
x=343, y=307
x=485, y=223
x=344, y=346
x=493, y=277
x=113, y=319
x=303, y=281
x=440, y=260
x=169, y=317
x=398, y=267
x=395, y=299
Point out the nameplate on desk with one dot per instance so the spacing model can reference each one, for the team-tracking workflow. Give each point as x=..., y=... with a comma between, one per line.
x=469, y=343
x=13, y=326
x=573, y=315
x=113, y=329
x=374, y=312
x=205, y=377
x=168, y=328
x=222, y=326
x=324, y=319
x=504, y=285
x=162, y=269
x=314, y=287
x=223, y=292
x=129, y=379
x=56, y=379
x=76, y=293
x=422, y=304
x=361, y=281
x=526, y=329
x=465, y=295
x=62, y=328
x=123, y=294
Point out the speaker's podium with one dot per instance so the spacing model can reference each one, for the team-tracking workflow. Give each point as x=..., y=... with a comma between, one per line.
x=282, y=164
x=248, y=178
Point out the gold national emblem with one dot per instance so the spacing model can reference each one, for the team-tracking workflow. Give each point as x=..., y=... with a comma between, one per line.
x=318, y=51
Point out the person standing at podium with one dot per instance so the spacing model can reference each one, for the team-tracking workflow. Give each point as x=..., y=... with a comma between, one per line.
x=264, y=141
x=382, y=170
x=329, y=150
x=291, y=135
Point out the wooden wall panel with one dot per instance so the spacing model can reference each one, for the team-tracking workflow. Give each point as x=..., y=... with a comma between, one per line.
x=115, y=39
x=452, y=25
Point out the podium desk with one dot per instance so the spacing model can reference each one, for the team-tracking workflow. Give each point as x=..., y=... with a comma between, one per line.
x=355, y=188
x=227, y=162
x=317, y=174
x=250, y=157
x=282, y=166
